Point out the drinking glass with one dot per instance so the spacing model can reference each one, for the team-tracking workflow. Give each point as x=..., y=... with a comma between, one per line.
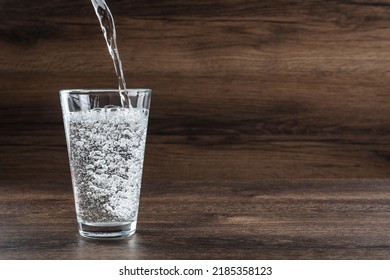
x=106, y=145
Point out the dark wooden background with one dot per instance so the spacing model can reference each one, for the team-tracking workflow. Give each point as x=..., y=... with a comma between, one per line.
x=242, y=89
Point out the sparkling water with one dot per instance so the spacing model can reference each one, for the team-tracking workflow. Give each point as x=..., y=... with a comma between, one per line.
x=108, y=27
x=106, y=151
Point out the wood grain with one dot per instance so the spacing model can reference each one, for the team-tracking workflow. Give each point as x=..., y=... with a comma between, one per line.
x=241, y=89
x=269, y=219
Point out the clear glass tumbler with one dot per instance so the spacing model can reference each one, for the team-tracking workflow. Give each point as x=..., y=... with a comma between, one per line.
x=106, y=145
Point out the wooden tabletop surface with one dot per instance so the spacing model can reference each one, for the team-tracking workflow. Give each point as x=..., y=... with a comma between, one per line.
x=270, y=219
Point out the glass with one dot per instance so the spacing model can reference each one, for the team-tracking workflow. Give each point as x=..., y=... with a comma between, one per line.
x=106, y=145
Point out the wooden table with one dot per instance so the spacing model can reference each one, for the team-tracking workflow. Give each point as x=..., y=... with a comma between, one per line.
x=269, y=219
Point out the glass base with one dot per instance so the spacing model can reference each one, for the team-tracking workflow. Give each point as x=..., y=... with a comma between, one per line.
x=107, y=230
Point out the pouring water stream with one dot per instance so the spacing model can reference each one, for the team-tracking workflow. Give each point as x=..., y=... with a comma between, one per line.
x=108, y=27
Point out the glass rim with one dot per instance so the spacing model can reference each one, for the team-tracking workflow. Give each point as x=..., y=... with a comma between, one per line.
x=103, y=91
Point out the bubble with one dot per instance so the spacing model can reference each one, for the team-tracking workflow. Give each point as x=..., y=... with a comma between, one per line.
x=106, y=165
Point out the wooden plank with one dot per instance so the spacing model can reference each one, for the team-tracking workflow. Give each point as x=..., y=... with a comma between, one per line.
x=269, y=219
x=195, y=103
x=216, y=158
